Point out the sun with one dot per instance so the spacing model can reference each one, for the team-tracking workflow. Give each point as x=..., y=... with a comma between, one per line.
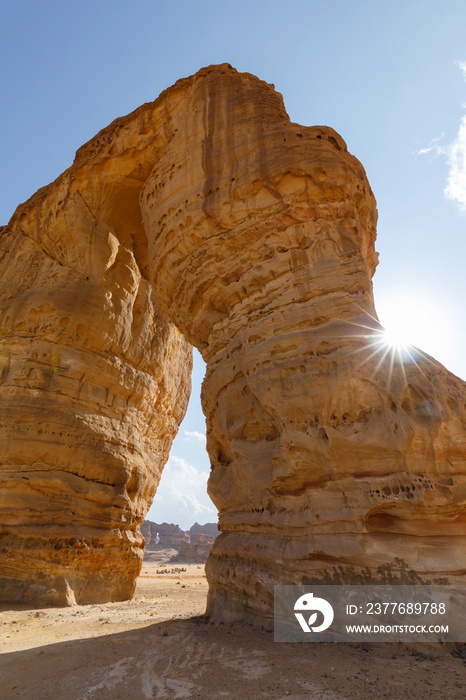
x=395, y=338
x=413, y=321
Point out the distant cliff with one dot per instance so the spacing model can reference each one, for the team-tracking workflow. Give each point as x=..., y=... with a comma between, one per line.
x=193, y=546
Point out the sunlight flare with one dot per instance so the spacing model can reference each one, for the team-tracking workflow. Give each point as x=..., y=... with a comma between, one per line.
x=412, y=321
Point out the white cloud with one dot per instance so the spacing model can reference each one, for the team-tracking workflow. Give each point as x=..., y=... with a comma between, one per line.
x=181, y=497
x=196, y=435
x=423, y=151
x=462, y=66
x=435, y=147
x=455, y=153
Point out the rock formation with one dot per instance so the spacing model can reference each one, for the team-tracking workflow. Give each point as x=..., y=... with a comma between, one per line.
x=192, y=546
x=197, y=550
x=146, y=533
x=93, y=381
x=208, y=216
x=210, y=529
x=169, y=535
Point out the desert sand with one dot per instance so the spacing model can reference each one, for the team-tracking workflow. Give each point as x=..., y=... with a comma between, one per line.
x=159, y=645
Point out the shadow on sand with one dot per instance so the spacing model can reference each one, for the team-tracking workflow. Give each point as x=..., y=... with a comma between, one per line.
x=191, y=658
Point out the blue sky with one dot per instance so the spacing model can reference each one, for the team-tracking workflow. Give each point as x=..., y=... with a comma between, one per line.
x=390, y=77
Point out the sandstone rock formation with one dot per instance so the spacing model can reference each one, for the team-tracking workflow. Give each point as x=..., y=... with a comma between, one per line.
x=210, y=529
x=169, y=535
x=197, y=550
x=208, y=214
x=146, y=533
x=93, y=382
x=192, y=546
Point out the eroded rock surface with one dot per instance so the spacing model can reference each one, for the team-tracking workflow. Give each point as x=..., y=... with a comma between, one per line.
x=332, y=460
x=197, y=550
x=93, y=385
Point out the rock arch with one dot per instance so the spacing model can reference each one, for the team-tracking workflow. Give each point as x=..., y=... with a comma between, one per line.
x=207, y=218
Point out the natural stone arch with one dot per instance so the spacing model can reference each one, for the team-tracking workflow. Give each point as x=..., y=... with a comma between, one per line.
x=208, y=218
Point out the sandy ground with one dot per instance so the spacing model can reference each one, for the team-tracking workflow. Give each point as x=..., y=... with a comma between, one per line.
x=159, y=646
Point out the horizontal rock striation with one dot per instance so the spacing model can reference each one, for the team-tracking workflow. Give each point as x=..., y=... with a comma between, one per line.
x=208, y=214
x=93, y=385
x=331, y=459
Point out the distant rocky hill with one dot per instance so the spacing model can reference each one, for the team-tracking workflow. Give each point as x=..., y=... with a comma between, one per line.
x=193, y=545
x=207, y=529
x=163, y=534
